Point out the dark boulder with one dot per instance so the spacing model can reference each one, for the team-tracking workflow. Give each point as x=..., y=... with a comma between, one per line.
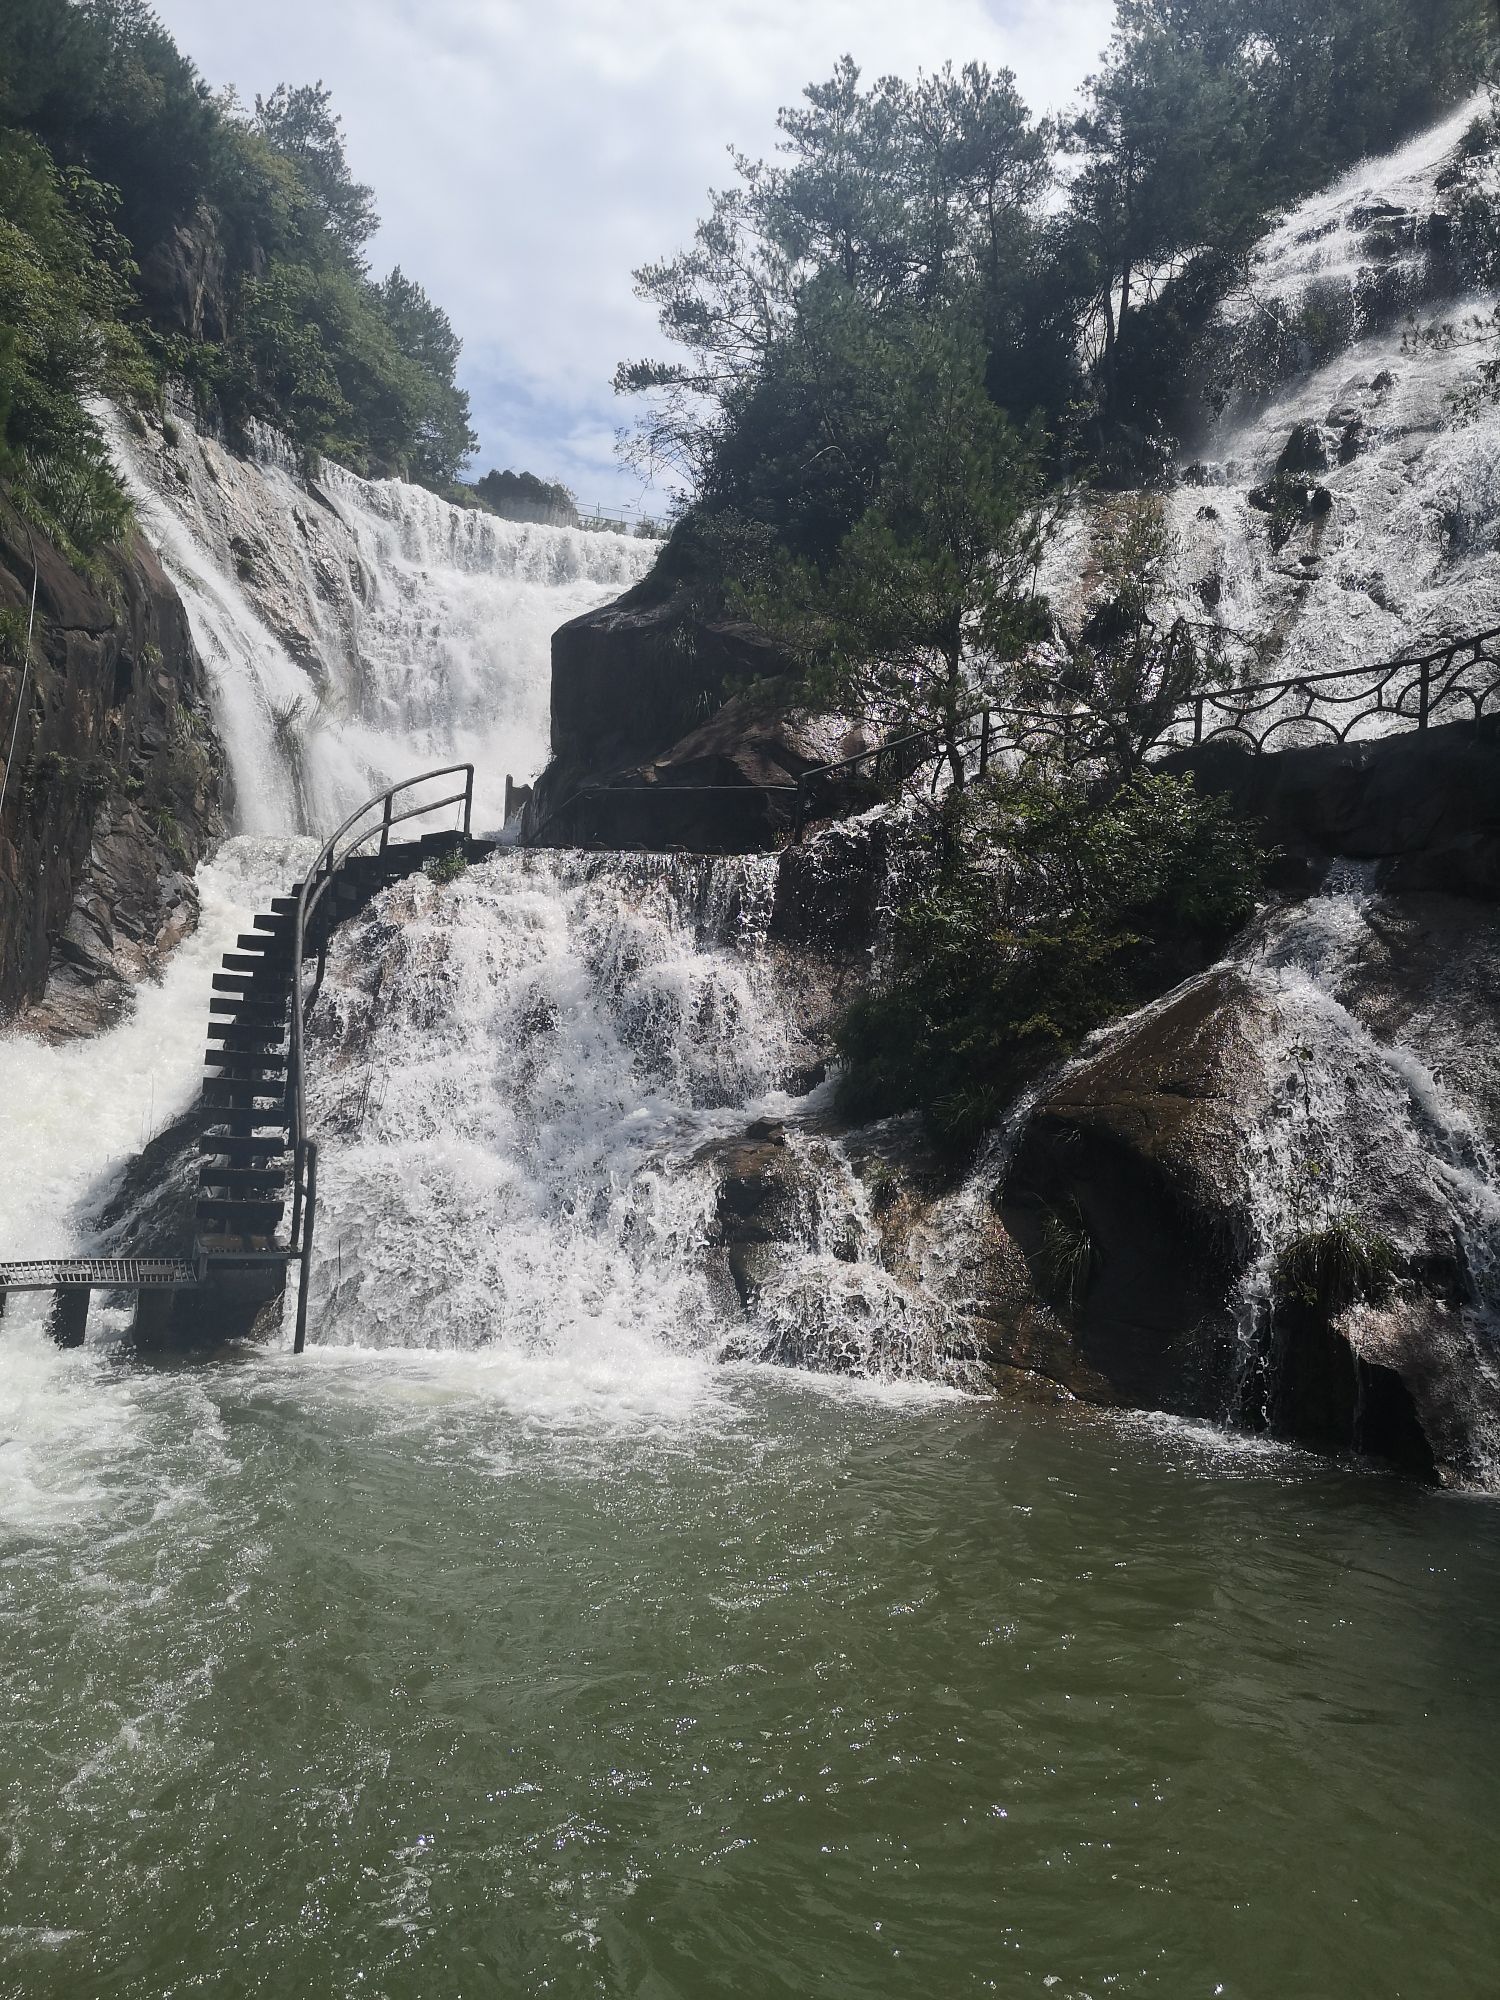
x=670, y=730
x=768, y=1199
x=1305, y=451
x=634, y=678
x=1127, y=1195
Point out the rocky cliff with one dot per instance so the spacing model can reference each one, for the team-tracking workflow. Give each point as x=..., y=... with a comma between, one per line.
x=675, y=729
x=1271, y=1198
x=115, y=787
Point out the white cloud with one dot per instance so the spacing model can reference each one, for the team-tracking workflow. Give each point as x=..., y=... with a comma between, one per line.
x=527, y=157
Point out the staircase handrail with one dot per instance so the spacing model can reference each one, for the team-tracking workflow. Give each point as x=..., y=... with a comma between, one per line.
x=316, y=883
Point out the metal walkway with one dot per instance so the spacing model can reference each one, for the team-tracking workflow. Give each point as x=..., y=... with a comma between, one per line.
x=99, y=1274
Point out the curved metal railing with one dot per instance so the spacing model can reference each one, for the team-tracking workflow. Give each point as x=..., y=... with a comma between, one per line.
x=1457, y=680
x=339, y=848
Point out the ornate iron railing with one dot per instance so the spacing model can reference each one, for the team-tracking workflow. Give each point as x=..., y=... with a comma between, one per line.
x=1457, y=681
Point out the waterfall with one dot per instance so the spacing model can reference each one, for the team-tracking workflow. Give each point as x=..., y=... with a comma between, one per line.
x=525, y=1081
x=353, y=632
x=357, y=631
x=518, y=1141
x=1348, y=334
x=1376, y=1110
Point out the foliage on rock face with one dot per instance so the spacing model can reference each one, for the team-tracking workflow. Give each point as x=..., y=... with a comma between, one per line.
x=936, y=582
x=1091, y=253
x=1133, y=665
x=1031, y=916
x=1339, y=1264
x=65, y=278
x=114, y=154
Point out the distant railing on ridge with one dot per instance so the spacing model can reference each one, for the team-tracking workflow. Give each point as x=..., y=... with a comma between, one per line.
x=1459, y=678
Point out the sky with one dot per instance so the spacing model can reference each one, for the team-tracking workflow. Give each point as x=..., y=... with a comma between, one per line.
x=528, y=155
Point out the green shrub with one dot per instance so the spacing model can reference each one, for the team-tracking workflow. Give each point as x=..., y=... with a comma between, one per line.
x=443, y=868
x=1033, y=916
x=1065, y=1259
x=1340, y=1263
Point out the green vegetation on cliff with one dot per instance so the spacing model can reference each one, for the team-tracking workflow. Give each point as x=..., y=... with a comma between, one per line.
x=899, y=347
x=1084, y=256
x=1036, y=911
x=151, y=229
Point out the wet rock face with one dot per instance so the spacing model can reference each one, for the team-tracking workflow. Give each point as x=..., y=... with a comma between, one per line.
x=184, y=280
x=115, y=792
x=1338, y=1085
x=769, y=1197
x=694, y=727
x=1128, y=1196
x=1425, y=804
x=632, y=679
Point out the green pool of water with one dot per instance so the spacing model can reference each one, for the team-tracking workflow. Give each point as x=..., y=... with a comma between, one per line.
x=390, y=1677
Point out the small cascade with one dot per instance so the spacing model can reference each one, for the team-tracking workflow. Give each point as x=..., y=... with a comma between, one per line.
x=1366, y=1129
x=539, y=1082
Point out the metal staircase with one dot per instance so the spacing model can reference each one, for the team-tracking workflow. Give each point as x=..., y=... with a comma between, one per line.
x=254, y=1152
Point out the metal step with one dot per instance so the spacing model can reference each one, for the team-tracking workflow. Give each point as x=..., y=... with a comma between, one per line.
x=268, y=947
x=247, y=1035
x=271, y=984
x=241, y=1218
x=243, y=1096
x=227, y=1146
x=244, y=1183
x=249, y=1011
x=265, y=1121
x=261, y=965
x=236, y=1066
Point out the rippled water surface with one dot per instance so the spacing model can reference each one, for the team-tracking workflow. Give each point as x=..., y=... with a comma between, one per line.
x=395, y=1675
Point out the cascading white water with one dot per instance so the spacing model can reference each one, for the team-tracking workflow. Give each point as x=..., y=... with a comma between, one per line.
x=1378, y=1130
x=522, y=1077
x=358, y=631
x=353, y=632
x=513, y=1136
x=1408, y=553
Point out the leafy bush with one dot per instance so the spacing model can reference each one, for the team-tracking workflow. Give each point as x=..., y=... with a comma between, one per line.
x=1033, y=917
x=442, y=868
x=1339, y=1264
x=65, y=277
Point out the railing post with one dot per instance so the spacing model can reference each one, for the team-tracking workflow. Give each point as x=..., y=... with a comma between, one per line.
x=1424, y=697
x=984, y=744
x=304, y=1277
x=469, y=801
x=297, y=1163
x=1198, y=720
x=385, y=829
